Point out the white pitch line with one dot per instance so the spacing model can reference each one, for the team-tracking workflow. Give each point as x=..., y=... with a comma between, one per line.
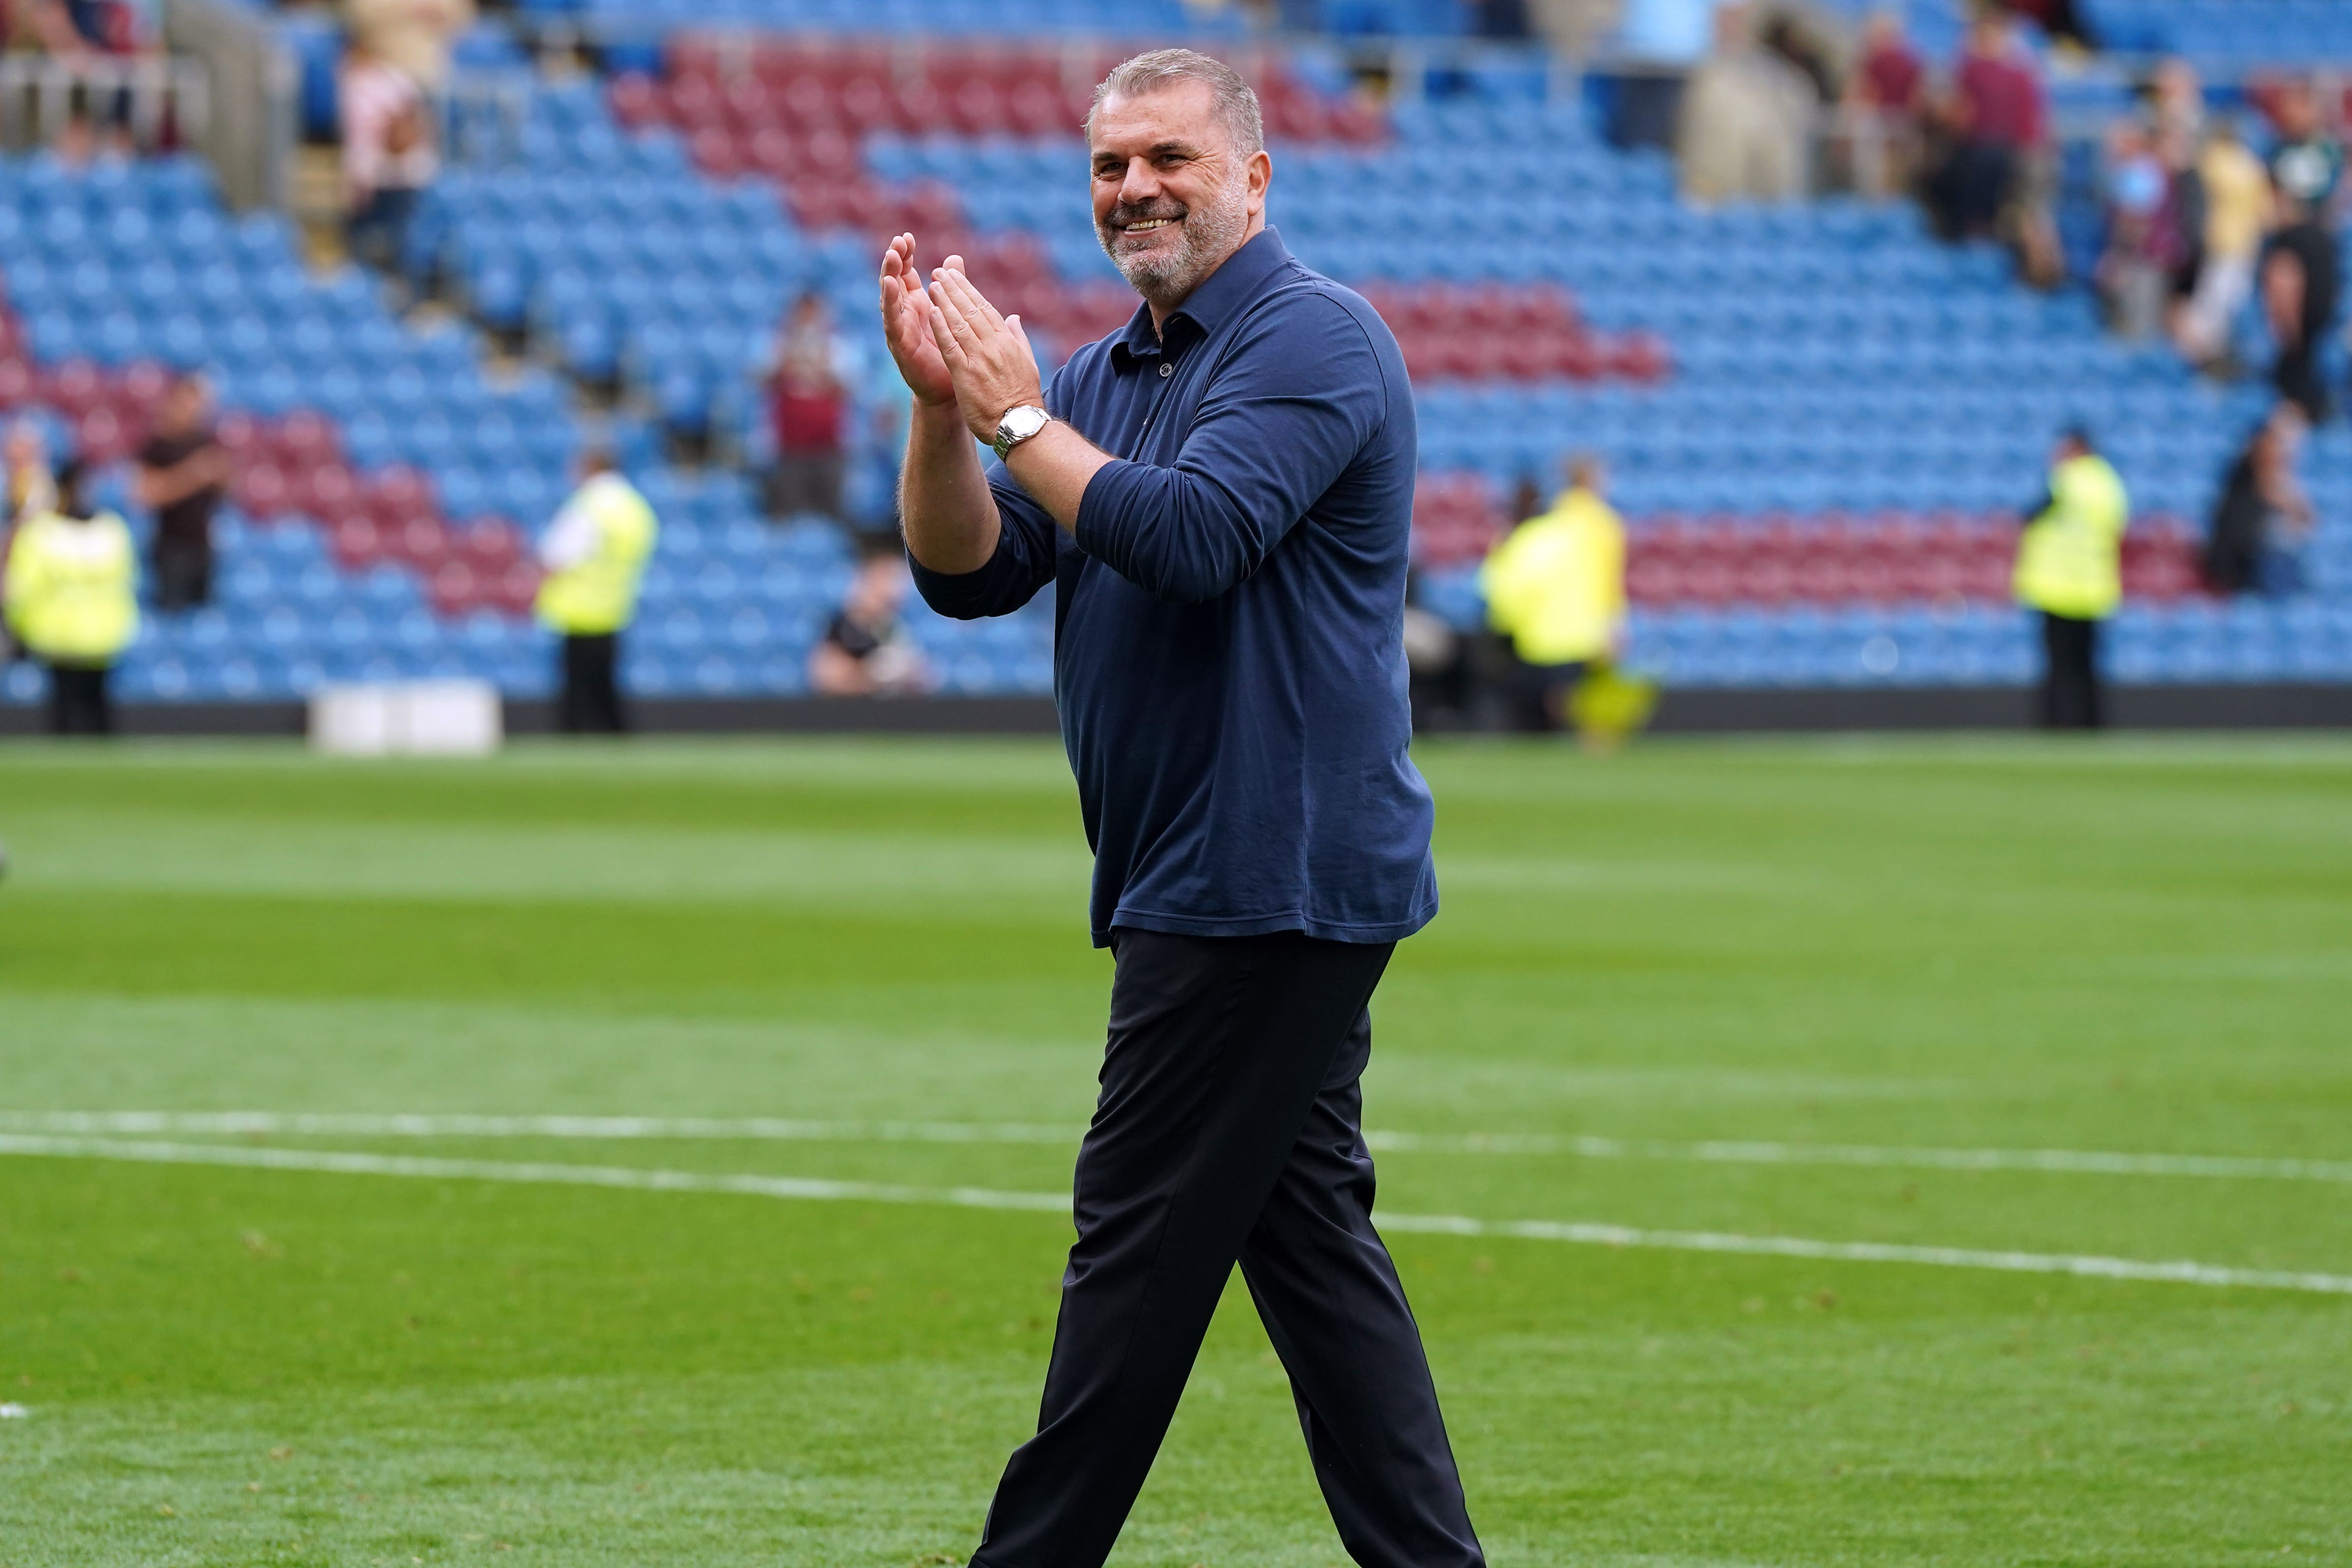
x=346, y=1163
x=2080, y=1162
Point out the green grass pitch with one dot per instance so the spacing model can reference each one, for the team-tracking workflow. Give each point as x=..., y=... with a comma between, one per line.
x=2124, y=946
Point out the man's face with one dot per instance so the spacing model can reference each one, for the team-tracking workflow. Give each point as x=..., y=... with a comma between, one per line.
x=183, y=408
x=1173, y=197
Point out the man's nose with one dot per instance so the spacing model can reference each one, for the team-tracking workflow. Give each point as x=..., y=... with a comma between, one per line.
x=1141, y=184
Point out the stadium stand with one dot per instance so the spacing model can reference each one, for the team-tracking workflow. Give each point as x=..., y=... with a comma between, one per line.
x=1817, y=419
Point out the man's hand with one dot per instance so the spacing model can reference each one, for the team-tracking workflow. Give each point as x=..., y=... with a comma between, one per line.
x=988, y=356
x=906, y=328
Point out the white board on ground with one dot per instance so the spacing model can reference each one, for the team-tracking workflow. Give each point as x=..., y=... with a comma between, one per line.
x=407, y=718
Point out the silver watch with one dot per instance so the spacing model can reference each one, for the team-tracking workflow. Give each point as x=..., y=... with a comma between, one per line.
x=1017, y=426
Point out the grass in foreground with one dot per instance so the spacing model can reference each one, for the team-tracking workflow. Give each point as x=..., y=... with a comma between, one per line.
x=2135, y=945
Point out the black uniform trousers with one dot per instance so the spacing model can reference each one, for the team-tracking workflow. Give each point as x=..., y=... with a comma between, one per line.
x=2071, y=697
x=1228, y=1129
x=79, y=702
x=591, y=702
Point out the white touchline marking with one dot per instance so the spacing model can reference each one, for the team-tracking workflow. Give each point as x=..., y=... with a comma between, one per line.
x=782, y=1129
x=347, y=1163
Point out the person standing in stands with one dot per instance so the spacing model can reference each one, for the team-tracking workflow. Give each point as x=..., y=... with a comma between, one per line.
x=183, y=473
x=2070, y=568
x=2300, y=284
x=1998, y=176
x=1219, y=495
x=71, y=600
x=867, y=650
x=595, y=553
x=32, y=487
x=809, y=410
x=2263, y=513
x=1556, y=594
x=2237, y=213
x=389, y=153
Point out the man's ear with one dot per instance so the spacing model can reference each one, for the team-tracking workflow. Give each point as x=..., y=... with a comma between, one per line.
x=1259, y=172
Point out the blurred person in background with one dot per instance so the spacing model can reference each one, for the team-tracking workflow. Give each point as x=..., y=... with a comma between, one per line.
x=1747, y=119
x=71, y=601
x=414, y=36
x=808, y=408
x=184, y=472
x=32, y=491
x=32, y=487
x=2262, y=515
x=1664, y=40
x=1996, y=175
x=2300, y=284
x=1886, y=96
x=80, y=33
x=2146, y=244
x=2070, y=568
x=1556, y=595
x=866, y=650
x=2237, y=201
x=595, y=552
x=389, y=153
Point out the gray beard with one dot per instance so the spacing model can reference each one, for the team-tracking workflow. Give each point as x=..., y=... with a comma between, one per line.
x=1210, y=233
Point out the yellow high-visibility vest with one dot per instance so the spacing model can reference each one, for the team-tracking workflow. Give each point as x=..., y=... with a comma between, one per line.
x=597, y=593
x=2070, y=559
x=1556, y=587
x=72, y=588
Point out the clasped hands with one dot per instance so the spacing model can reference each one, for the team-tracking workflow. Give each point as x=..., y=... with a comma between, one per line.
x=951, y=345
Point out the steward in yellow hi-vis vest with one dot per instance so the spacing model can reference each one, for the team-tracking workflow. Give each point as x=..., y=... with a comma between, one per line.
x=2070, y=567
x=71, y=599
x=595, y=553
x=1555, y=590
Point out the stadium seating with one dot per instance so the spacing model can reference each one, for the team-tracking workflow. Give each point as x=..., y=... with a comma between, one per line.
x=1819, y=420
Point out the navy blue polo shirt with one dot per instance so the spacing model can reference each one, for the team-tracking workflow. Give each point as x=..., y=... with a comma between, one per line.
x=1228, y=652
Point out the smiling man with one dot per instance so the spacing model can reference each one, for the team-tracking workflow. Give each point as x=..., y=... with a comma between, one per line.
x=1219, y=495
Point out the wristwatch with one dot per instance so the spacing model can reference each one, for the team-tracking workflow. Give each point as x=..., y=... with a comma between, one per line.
x=1017, y=426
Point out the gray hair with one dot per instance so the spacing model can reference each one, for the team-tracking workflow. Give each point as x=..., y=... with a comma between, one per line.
x=1229, y=94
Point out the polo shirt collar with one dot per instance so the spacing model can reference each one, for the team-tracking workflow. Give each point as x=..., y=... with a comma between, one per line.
x=1242, y=278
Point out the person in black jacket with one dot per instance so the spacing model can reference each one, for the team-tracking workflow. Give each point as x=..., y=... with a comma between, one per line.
x=2262, y=506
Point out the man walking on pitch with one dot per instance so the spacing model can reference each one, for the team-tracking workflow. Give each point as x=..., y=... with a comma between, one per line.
x=1219, y=495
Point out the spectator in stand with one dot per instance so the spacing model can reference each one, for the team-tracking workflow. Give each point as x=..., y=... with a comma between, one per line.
x=2300, y=284
x=32, y=487
x=2262, y=516
x=595, y=552
x=2237, y=199
x=413, y=36
x=2176, y=100
x=71, y=600
x=183, y=474
x=809, y=409
x=1746, y=120
x=1998, y=177
x=1664, y=40
x=865, y=651
x=389, y=153
x=79, y=33
x=1556, y=594
x=2145, y=244
x=1885, y=98
x=2059, y=19
x=2070, y=568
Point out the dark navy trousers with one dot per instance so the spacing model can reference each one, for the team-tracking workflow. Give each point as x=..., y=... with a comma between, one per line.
x=1229, y=1130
